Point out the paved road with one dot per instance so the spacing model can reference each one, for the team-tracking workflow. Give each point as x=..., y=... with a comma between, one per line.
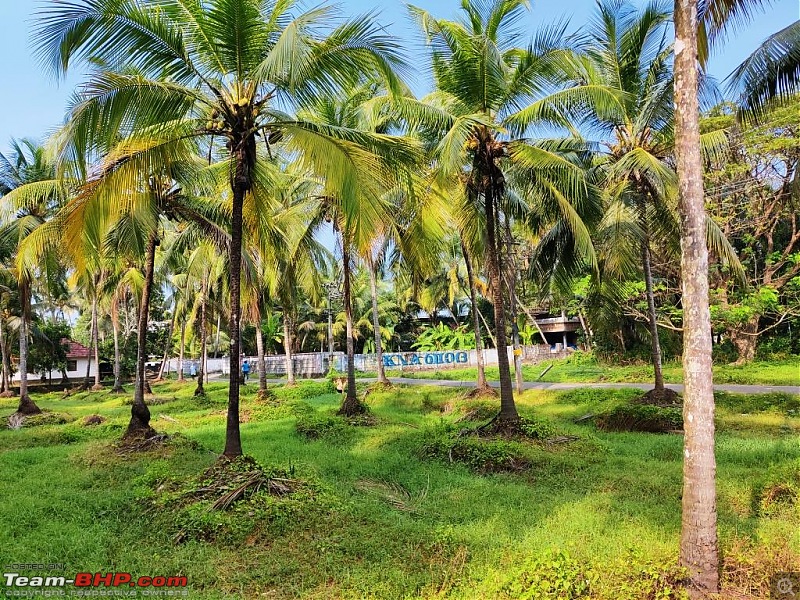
x=537, y=385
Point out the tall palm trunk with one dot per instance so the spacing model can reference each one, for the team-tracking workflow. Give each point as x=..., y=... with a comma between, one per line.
x=287, y=347
x=167, y=345
x=181, y=351
x=139, y=425
x=96, y=347
x=376, y=324
x=262, y=365
x=508, y=409
x=5, y=388
x=655, y=344
x=476, y=323
x=117, y=357
x=88, y=374
x=244, y=157
x=699, y=546
x=350, y=405
x=26, y=405
x=200, y=390
x=511, y=283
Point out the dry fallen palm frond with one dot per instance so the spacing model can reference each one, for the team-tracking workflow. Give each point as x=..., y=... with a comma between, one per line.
x=397, y=495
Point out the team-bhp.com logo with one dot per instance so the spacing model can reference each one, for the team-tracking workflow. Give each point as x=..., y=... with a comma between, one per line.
x=96, y=580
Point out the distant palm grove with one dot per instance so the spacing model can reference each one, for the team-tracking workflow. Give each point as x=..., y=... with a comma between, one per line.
x=233, y=173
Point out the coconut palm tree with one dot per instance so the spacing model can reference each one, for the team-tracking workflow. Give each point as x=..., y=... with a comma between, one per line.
x=124, y=281
x=221, y=70
x=629, y=54
x=31, y=194
x=771, y=73
x=699, y=542
x=489, y=83
x=355, y=214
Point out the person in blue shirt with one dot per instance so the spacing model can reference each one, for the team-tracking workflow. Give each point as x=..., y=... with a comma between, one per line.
x=192, y=369
x=245, y=370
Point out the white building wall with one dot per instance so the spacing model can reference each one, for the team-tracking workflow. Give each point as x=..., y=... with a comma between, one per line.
x=78, y=373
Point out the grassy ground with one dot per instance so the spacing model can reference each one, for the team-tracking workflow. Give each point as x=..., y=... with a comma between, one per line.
x=602, y=511
x=585, y=369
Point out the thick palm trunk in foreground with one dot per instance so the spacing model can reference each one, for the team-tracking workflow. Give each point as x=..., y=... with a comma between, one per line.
x=139, y=425
x=350, y=405
x=699, y=549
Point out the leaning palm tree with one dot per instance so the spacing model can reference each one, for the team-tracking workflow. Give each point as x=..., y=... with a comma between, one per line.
x=221, y=70
x=487, y=82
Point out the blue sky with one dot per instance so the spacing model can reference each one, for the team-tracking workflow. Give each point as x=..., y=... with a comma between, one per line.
x=33, y=103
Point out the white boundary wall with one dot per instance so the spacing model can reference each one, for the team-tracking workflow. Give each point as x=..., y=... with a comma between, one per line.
x=315, y=364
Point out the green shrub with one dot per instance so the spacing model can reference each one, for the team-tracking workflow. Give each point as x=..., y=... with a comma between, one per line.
x=273, y=411
x=640, y=417
x=475, y=410
x=653, y=582
x=434, y=402
x=781, y=402
x=304, y=390
x=537, y=429
x=316, y=426
x=47, y=418
x=447, y=443
x=553, y=575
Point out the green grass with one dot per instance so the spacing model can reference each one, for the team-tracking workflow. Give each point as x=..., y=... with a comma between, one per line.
x=585, y=369
x=384, y=522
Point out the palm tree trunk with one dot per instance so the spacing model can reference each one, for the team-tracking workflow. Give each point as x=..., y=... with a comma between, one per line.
x=117, y=357
x=262, y=365
x=167, y=345
x=699, y=546
x=350, y=405
x=376, y=324
x=87, y=375
x=508, y=409
x=139, y=425
x=4, y=383
x=511, y=283
x=287, y=346
x=96, y=346
x=216, y=340
x=200, y=390
x=26, y=405
x=181, y=351
x=476, y=323
x=240, y=184
x=651, y=314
